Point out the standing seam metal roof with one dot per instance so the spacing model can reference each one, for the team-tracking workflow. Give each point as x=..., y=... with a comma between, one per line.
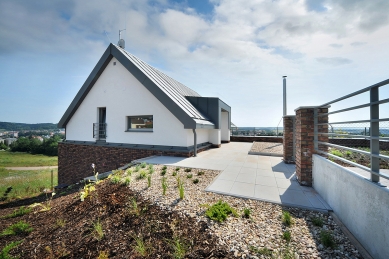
x=174, y=89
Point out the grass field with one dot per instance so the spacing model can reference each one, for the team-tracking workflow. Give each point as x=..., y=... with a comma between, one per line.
x=24, y=159
x=27, y=183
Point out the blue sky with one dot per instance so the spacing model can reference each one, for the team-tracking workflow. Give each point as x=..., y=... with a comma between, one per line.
x=235, y=50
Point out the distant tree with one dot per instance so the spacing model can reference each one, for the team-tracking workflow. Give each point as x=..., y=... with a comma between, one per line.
x=21, y=145
x=3, y=146
x=36, y=146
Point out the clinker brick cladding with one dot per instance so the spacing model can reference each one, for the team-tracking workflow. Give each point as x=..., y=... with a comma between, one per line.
x=75, y=160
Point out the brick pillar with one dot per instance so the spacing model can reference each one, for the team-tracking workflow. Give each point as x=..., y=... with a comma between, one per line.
x=288, y=144
x=304, y=141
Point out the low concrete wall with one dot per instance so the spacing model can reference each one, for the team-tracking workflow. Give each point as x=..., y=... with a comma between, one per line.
x=256, y=138
x=362, y=206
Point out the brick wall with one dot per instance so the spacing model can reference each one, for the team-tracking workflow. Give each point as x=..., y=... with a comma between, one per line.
x=288, y=139
x=74, y=160
x=304, y=141
x=256, y=138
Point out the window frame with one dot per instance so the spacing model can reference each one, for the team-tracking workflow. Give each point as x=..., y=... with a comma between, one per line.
x=128, y=124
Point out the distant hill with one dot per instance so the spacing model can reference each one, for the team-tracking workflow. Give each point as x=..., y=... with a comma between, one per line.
x=11, y=126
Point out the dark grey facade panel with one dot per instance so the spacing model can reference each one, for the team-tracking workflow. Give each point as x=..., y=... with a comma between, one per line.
x=140, y=146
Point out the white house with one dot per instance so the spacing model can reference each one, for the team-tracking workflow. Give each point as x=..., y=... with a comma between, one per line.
x=127, y=104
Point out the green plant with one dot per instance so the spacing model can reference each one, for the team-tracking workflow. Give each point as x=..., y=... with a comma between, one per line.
x=129, y=171
x=189, y=176
x=336, y=152
x=177, y=169
x=97, y=230
x=174, y=173
x=164, y=186
x=287, y=218
x=151, y=167
x=287, y=236
x=284, y=253
x=179, y=248
x=19, y=228
x=140, y=246
x=188, y=170
x=143, y=165
x=196, y=181
x=317, y=222
x=220, y=211
x=151, y=170
x=142, y=174
x=149, y=181
x=4, y=254
x=327, y=239
x=115, y=179
x=18, y=212
x=61, y=223
x=181, y=190
x=135, y=208
x=164, y=167
x=137, y=168
x=86, y=191
x=103, y=255
x=200, y=173
x=261, y=251
x=126, y=180
x=348, y=153
x=59, y=252
x=163, y=172
x=246, y=212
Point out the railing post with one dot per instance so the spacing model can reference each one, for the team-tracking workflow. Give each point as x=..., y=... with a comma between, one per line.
x=374, y=132
x=315, y=130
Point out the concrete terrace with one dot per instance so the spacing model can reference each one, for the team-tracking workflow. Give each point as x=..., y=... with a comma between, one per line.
x=243, y=175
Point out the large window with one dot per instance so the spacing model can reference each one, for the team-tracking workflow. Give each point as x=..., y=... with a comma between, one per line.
x=140, y=123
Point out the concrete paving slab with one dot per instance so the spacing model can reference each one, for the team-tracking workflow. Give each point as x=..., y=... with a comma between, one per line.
x=246, y=178
x=220, y=185
x=242, y=189
x=267, y=193
x=267, y=181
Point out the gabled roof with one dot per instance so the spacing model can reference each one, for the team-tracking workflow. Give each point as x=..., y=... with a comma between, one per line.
x=171, y=93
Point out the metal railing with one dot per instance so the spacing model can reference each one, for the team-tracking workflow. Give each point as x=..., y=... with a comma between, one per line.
x=257, y=131
x=100, y=131
x=374, y=130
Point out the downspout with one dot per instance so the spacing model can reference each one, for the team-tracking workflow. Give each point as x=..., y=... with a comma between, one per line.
x=195, y=142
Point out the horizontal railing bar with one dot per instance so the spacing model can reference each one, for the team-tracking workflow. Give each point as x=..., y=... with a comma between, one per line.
x=353, y=150
x=353, y=164
x=360, y=121
x=354, y=136
x=385, y=82
x=355, y=107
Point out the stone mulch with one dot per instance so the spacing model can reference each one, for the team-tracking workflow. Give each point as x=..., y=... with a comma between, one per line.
x=261, y=235
x=267, y=148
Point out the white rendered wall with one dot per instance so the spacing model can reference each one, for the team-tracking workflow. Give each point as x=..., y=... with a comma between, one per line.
x=123, y=95
x=225, y=132
x=214, y=136
x=202, y=136
x=361, y=205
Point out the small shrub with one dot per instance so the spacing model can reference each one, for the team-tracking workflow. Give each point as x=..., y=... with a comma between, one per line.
x=261, y=251
x=327, y=239
x=287, y=236
x=97, y=230
x=142, y=174
x=151, y=167
x=189, y=176
x=60, y=223
x=246, y=213
x=86, y=191
x=179, y=248
x=348, y=153
x=20, y=228
x=317, y=222
x=18, y=212
x=174, y=173
x=143, y=165
x=200, y=173
x=149, y=181
x=181, y=190
x=336, y=152
x=135, y=208
x=4, y=254
x=129, y=171
x=177, y=169
x=287, y=218
x=188, y=170
x=103, y=255
x=164, y=186
x=220, y=211
x=140, y=247
x=164, y=167
x=196, y=181
x=137, y=168
x=126, y=180
x=115, y=179
x=163, y=172
x=151, y=170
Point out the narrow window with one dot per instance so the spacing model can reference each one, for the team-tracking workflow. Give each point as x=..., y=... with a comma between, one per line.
x=140, y=123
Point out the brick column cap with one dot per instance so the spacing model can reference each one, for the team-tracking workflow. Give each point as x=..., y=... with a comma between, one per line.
x=287, y=116
x=311, y=107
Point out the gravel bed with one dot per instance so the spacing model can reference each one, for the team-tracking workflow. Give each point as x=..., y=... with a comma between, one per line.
x=245, y=237
x=267, y=147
